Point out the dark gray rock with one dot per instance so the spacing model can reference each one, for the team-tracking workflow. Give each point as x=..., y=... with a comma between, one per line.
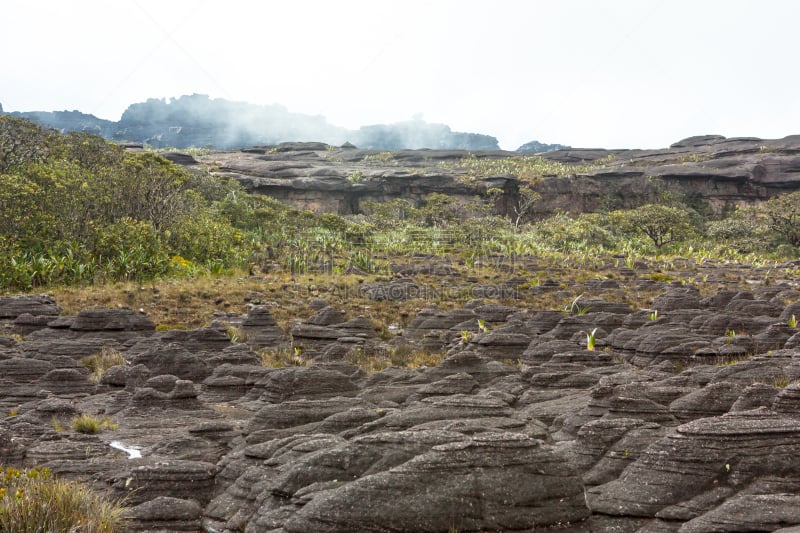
x=713, y=399
x=749, y=512
x=327, y=316
x=171, y=358
x=305, y=415
x=310, y=383
x=95, y=320
x=12, y=307
x=63, y=349
x=166, y=513
x=500, y=481
x=735, y=448
x=185, y=480
x=501, y=344
x=677, y=298
x=261, y=328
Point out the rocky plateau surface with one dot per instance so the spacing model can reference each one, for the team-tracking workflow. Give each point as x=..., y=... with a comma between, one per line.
x=718, y=172
x=684, y=420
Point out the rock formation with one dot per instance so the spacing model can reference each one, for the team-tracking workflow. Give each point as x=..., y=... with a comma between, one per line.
x=669, y=425
x=714, y=175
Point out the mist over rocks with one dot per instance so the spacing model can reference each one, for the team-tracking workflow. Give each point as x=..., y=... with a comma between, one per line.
x=199, y=121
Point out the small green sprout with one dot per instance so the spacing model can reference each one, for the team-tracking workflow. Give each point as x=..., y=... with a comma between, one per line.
x=590, y=339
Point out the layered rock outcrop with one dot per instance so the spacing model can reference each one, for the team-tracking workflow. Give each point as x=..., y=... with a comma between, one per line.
x=714, y=173
x=519, y=428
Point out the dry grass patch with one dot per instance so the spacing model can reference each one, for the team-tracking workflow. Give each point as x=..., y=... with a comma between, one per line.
x=35, y=500
x=282, y=356
x=373, y=361
x=90, y=425
x=101, y=361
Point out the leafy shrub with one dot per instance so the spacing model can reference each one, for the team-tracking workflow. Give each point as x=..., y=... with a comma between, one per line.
x=206, y=237
x=564, y=232
x=783, y=216
x=741, y=231
x=662, y=224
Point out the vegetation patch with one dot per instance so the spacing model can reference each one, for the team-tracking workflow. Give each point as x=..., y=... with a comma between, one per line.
x=35, y=500
x=101, y=361
x=529, y=169
x=90, y=425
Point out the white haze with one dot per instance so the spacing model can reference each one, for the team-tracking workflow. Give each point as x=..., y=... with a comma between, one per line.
x=613, y=73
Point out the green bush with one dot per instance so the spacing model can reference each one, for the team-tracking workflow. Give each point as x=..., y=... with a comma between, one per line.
x=782, y=215
x=662, y=224
x=564, y=232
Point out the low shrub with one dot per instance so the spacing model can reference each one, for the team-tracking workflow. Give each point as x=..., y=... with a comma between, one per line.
x=34, y=500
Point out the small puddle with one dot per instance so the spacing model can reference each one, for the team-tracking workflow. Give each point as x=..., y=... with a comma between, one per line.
x=134, y=452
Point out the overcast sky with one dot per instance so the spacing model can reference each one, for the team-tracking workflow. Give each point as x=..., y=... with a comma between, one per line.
x=588, y=73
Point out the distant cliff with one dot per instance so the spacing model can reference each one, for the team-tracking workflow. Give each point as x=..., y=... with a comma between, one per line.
x=200, y=121
x=711, y=173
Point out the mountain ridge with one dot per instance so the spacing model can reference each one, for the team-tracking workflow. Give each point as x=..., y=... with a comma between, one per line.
x=200, y=121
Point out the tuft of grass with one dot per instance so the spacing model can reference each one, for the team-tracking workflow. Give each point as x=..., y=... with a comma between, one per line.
x=516, y=363
x=283, y=356
x=370, y=363
x=58, y=427
x=380, y=158
x=404, y=355
x=424, y=359
x=574, y=307
x=781, y=382
x=170, y=327
x=101, y=361
x=90, y=425
x=236, y=335
x=35, y=500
